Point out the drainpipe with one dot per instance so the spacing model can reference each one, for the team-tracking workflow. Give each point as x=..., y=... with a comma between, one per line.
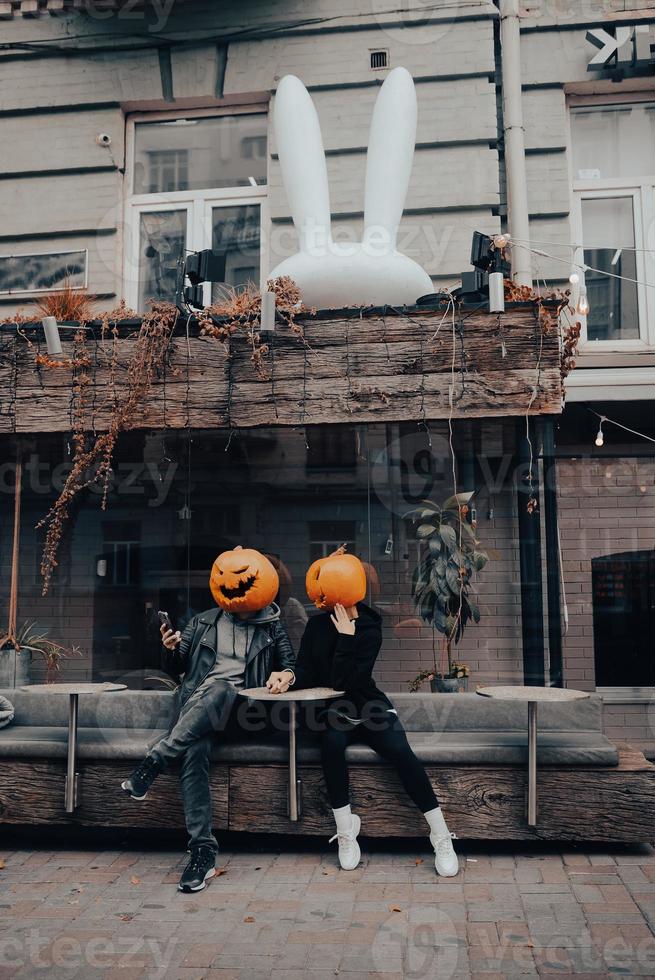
x=517, y=183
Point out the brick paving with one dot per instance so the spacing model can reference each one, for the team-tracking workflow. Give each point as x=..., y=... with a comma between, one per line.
x=284, y=910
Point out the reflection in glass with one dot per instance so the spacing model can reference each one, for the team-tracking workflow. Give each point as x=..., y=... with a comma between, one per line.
x=236, y=237
x=200, y=153
x=178, y=499
x=162, y=241
x=613, y=141
x=614, y=313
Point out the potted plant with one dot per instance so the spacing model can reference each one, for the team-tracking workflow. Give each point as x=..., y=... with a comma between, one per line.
x=442, y=586
x=16, y=656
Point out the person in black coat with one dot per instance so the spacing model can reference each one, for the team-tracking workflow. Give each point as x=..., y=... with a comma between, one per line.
x=219, y=652
x=339, y=650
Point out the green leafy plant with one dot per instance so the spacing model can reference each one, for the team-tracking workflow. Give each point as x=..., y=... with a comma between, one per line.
x=31, y=637
x=442, y=581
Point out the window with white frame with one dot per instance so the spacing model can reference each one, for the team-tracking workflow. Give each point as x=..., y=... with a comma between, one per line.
x=613, y=154
x=196, y=182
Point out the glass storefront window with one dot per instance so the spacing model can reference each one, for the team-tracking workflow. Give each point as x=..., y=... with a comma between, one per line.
x=199, y=153
x=613, y=170
x=614, y=302
x=177, y=501
x=198, y=182
x=612, y=141
x=162, y=242
x=236, y=236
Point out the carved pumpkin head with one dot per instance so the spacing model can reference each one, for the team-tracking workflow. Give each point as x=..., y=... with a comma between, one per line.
x=243, y=580
x=339, y=578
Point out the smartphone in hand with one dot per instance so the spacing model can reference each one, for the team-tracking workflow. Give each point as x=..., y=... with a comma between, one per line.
x=165, y=619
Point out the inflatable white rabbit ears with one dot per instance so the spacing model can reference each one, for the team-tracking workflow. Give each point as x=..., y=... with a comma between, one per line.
x=331, y=274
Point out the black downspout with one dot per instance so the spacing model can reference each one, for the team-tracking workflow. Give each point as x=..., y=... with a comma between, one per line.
x=552, y=552
x=532, y=606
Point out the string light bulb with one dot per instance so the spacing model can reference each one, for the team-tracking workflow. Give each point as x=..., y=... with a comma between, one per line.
x=600, y=437
x=583, y=302
x=574, y=278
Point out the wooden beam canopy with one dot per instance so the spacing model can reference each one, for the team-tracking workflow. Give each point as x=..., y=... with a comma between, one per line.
x=348, y=369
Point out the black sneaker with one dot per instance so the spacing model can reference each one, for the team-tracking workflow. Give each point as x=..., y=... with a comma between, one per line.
x=200, y=868
x=142, y=778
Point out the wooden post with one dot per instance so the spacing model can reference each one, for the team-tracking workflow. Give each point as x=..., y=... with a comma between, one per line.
x=552, y=554
x=12, y=609
x=532, y=606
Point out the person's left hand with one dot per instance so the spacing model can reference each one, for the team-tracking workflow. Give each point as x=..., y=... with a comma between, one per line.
x=342, y=620
x=279, y=681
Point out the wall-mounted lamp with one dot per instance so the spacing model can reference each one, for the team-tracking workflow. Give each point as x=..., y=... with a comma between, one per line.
x=52, y=338
x=268, y=311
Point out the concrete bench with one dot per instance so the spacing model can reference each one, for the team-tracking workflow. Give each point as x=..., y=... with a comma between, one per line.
x=474, y=750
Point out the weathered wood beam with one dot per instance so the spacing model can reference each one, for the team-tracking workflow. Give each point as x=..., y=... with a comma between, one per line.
x=483, y=802
x=345, y=370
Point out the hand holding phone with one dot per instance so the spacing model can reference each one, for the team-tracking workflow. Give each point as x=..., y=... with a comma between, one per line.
x=170, y=638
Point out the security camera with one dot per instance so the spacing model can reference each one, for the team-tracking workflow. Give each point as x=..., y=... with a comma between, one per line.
x=103, y=139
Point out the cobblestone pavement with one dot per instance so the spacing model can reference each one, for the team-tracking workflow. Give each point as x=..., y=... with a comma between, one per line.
x=284, y=910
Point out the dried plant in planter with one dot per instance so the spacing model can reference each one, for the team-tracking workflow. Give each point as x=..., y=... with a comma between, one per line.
x=67, y=305
x=240, y=310
x=92, y=455
x=548, y=317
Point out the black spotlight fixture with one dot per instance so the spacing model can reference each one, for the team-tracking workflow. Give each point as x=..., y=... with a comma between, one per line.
x=485, y=259
x=198, y=268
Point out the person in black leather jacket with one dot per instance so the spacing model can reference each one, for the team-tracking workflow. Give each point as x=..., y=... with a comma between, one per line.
x=218, y=653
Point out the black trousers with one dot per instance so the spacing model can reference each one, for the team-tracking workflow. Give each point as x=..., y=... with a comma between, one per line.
x=385, y=734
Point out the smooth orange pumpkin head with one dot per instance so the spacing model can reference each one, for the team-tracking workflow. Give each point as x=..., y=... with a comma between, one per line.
x=338, y=578
x=243, y=580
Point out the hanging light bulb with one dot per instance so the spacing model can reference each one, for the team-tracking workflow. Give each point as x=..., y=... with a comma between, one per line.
x=574, y=278
x=583, y=302
x=600, y=437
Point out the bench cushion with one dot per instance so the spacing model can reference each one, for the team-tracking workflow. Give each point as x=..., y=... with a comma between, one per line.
x=418, y=712
x=499, y=747
x=6, y=712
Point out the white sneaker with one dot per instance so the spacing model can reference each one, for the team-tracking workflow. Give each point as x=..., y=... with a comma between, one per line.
x=349, y=852
x=445, y=859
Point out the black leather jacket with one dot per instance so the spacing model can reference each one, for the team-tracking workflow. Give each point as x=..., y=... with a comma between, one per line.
x=195, y=655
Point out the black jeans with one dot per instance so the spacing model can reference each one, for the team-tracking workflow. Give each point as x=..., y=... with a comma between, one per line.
x=203, y=721
x=385, y=734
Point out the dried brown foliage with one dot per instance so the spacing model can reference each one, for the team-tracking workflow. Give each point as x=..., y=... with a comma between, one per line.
x=570, y=340
x=239, y=310
x=67, y=305
x=92, y=455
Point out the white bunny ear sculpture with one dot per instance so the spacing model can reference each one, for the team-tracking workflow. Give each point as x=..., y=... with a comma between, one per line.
x=370, y=272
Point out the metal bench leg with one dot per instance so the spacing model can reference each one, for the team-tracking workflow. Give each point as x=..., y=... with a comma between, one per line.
x=70, y=791
x=294, y=782
x=532, y=763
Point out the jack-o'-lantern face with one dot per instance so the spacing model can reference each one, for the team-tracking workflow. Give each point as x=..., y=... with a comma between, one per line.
x=339, y=578
x=243, y=580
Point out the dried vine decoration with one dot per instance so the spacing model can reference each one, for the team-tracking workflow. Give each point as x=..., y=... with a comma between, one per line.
x=570, y=341
x=239, y=311
x=92, y=459
x=548, y=318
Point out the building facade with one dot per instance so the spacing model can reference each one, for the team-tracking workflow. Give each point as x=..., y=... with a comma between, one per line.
x=131, y=134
